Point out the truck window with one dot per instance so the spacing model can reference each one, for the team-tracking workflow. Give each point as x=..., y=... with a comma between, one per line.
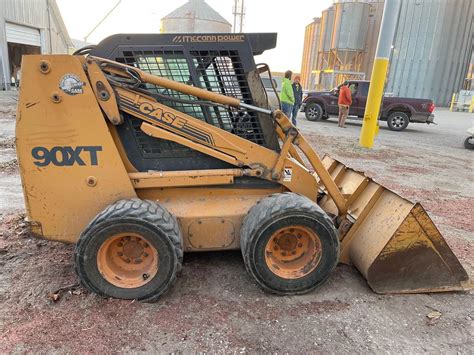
x=353, y=88
x=364, y=90
x=267, y=84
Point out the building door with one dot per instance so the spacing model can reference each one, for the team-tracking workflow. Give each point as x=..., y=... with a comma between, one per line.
x=20, y=40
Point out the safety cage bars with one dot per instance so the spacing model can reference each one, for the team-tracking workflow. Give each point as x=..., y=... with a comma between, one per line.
x=217, y=70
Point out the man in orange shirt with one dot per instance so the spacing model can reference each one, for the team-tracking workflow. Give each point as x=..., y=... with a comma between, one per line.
x=344, y=102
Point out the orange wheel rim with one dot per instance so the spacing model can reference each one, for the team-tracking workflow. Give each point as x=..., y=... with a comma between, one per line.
x=293, y=252
x=127, y=260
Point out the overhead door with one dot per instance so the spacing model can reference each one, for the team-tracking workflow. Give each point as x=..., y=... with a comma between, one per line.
x=23, y=34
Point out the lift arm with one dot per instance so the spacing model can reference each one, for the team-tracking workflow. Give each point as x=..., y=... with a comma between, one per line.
x=163, y=122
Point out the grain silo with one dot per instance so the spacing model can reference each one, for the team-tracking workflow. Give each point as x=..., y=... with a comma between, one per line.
x=195, y=16
x=349, y=35
x=327, y=26
x=373, y=28
x=432, y=49
x=310, y=53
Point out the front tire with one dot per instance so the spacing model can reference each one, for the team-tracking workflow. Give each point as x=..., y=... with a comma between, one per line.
x=398, y=121
x=469, y=143
x=289, y=244
x=314, y=112
x=131, y=250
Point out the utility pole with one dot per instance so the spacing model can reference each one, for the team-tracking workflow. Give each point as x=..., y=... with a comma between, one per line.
x=103, y=19
x=379, y=72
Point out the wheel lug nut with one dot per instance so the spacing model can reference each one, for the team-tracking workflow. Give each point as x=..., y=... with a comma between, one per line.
x=145, y=245
x=138, y=261
x=300, y=245
x=145, y=254
x=293, y=252
x=127, y=261
x=299, y=236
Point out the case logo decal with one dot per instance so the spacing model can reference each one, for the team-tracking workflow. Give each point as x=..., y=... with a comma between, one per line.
x=71, y=84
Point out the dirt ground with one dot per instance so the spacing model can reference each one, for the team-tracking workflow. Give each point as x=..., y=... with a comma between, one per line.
x=215, y=306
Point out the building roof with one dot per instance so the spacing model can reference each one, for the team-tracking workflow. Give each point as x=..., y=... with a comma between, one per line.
x=196, y=9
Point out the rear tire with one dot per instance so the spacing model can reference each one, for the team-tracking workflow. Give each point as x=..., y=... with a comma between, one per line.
x=131, y=250
x=289, y=244
x=314, y=112
x=398, y=121
x=469, y=143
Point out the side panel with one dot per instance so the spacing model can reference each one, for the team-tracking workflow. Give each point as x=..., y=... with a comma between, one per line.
x=210, y=218
x=70, y=167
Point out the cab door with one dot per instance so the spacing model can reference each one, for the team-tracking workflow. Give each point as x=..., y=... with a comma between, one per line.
x=359, y=98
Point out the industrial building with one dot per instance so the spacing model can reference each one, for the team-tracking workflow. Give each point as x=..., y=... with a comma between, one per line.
x=195, y=16
x=341, y=44
x=431, y=50
x=28, y=27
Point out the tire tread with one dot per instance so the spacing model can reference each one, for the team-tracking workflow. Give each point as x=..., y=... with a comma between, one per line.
x=145, y=210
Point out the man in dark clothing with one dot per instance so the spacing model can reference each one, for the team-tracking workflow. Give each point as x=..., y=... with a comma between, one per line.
x=298, y=94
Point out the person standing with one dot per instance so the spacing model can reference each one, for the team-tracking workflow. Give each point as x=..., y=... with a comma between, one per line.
x=298, y=94
x=344, y=102
x=286, y=95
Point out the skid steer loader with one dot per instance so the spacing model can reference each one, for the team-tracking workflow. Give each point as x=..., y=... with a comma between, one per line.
x=148, y=146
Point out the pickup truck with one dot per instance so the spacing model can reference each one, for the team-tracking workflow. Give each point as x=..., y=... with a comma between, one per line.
x=273, y=100
x=397, y=111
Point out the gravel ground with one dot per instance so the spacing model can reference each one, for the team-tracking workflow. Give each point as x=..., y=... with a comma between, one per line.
x=216, y=307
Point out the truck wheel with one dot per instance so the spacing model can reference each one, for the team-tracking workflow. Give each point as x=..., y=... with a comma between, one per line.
x=398, y=121
x=469, y=143
x=131, y=250
x=314, y=112
x=289, y=244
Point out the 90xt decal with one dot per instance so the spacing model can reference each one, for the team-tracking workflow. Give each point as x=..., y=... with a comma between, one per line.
x=66, y=156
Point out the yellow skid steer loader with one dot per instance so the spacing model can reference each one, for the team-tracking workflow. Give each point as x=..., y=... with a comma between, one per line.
x=149, y=146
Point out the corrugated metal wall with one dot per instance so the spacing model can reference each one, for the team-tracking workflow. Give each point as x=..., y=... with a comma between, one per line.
x=373, y=28
x=41, y=14
x=432, y=49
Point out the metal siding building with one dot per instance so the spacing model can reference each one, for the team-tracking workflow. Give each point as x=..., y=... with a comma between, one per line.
x=432, y=49
x=195, y=16
x=29, y=27
x=431, y=52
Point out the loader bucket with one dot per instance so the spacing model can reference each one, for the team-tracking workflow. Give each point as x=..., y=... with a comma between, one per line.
x=392, y=241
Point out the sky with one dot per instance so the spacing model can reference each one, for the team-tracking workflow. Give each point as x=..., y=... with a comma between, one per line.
x=287, y=18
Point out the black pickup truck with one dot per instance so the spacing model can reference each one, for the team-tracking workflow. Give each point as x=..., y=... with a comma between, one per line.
x=397, y=111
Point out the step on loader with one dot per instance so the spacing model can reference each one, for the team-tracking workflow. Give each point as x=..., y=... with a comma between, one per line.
x=149, y=146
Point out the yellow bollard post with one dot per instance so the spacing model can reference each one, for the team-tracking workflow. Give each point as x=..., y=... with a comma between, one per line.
x=453, y=99
x=471, y=108
x=379, y=72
